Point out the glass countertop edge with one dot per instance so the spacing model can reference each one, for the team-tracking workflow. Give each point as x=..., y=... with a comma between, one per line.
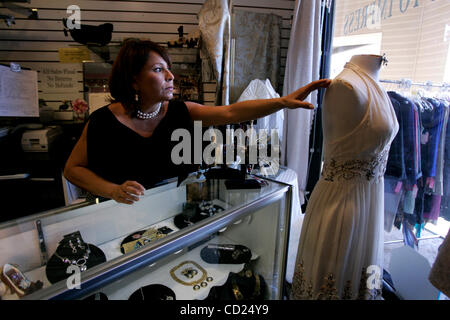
x=52, y=212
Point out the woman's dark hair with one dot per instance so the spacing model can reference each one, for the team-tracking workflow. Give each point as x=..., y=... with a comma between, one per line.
x=131, y=59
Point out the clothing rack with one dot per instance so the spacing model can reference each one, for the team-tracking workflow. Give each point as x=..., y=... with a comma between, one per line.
x=408, y=83
x=418, y=239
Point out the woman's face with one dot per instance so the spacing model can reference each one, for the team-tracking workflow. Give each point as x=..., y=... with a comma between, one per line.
x=155, y=81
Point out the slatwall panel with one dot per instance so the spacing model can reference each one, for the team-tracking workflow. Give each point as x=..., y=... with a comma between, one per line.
x=282, y=8
x=413, y=41
x=35, y=43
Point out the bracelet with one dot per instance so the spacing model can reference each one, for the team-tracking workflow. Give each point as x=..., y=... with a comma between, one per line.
x=148, y=236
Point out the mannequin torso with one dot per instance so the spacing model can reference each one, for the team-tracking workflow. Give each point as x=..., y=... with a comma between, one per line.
x=347, y=96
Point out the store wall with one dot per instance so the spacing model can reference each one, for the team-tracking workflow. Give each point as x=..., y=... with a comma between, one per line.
x=414, y=34
x=35, y=43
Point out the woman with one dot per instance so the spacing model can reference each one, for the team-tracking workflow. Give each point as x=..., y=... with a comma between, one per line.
x=125, y=147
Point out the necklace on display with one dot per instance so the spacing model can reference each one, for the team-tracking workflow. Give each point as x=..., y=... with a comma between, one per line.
x=144, y=115
x=81, y=263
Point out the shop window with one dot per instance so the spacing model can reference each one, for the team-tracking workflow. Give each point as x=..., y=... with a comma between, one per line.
x=414, y=35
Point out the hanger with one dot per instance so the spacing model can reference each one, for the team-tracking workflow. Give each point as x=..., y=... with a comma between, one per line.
x=443, y=94
x=428, y=105
x=405, y=86
x=416, y=97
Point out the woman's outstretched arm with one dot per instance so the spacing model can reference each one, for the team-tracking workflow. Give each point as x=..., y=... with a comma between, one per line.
x=253, y=109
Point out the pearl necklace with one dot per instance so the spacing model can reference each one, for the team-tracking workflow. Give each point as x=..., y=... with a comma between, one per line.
x=144, y=115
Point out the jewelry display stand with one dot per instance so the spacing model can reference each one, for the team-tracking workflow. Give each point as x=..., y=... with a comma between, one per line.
x=153, y=292
x=56, y=270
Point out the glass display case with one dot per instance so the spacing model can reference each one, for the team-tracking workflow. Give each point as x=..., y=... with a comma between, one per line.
x=197, y=241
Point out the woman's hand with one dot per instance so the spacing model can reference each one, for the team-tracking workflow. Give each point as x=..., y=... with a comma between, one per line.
x=295, y=99
x=127, y=192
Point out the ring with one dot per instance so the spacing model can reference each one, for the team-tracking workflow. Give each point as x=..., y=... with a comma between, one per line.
x=209, y=279
x=203, y=284
x=196, y=287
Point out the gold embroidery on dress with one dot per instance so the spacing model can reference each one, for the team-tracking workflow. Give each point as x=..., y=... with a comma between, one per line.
x=298, y=283
x=347, y=295
x=328, y=290
x=351, y=169
x=362, y=285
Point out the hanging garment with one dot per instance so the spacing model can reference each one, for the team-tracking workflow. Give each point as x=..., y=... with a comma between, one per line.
x=343, y=229
x=257, y=50
x=417, y=216
x=406, y=145
x=432, y=123
x=445, y=204
x=214, y=25
x=258, y=89
x=393, y=193
x=395, y=166
x=433, y=202
x=431, y=214
x=439, y=187
x=302, y=67
x=404, y=160
x=396, y=172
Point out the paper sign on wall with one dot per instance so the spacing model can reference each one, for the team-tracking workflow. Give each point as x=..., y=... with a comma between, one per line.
x=60, y=79
x=73, y=55
x=18, y=93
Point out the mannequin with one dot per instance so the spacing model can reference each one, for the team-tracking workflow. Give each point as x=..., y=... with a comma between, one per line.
x=350, y=93
x=370, y=63
x=341, y=242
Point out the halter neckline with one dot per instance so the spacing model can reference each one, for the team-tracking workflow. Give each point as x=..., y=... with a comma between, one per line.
x=351, y=65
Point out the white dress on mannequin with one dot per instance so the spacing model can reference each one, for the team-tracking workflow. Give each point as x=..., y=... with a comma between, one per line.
x=342, y=232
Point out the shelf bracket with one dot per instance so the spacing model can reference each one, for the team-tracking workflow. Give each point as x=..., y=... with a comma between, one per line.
x=42, y=246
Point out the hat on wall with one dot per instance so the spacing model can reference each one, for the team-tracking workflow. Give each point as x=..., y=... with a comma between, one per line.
x=90, y=35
